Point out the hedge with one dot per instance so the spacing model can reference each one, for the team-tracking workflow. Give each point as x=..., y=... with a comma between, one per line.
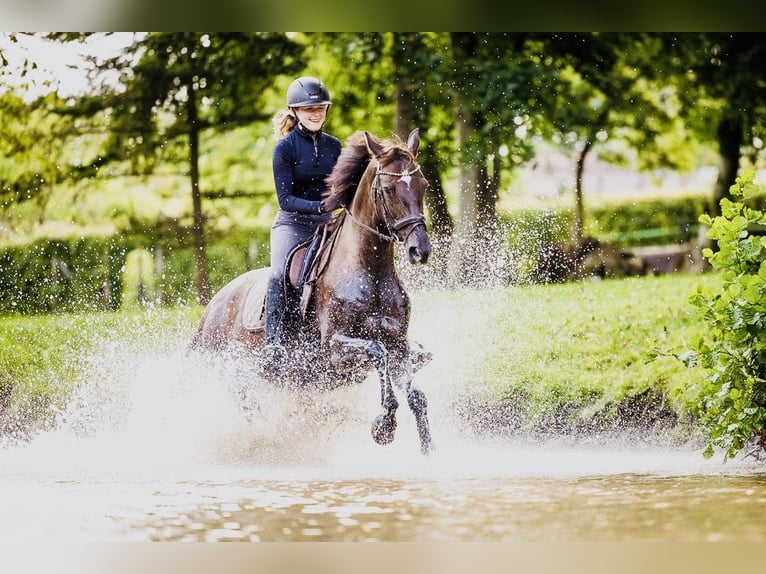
x=63, y=275
x=56, y=275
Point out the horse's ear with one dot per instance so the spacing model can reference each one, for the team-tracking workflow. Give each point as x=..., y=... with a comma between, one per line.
x=373, y=145
x=413, y=141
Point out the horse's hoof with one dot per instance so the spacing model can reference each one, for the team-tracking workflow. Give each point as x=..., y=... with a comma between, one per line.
x=426, y=448
x=383, y=428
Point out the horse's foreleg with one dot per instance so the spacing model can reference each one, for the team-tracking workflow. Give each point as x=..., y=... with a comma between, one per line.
x=344, y=349
x=416, y=399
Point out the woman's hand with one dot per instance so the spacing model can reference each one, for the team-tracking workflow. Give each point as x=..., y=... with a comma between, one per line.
x=330, y=203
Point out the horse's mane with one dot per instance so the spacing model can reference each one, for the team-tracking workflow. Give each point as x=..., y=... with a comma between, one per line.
x=354, y=159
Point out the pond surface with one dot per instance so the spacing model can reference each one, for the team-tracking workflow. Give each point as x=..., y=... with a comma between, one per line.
x=353, y=490
x=154, y=446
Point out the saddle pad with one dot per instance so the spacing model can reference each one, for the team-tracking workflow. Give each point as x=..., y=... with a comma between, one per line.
x=253, y=316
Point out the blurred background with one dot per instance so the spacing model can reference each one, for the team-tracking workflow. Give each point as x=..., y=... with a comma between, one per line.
x=135, y=168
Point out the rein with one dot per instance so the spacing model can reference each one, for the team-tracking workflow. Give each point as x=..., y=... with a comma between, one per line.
x=413, y=220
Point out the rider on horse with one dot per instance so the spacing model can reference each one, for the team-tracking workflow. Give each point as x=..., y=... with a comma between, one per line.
x=303, y=157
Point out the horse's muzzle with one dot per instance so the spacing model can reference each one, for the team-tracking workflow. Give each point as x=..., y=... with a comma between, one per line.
x=418, y=247
x=418, y=256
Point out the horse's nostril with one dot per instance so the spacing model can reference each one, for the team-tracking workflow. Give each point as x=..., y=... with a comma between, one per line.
x=417, y=255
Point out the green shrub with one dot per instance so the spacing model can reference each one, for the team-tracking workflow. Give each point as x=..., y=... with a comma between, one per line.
x=731, y=403
x=61, y=275
x=649, y=222
x=90, y=273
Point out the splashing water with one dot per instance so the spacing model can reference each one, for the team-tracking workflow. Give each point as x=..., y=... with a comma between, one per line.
x=157, y=443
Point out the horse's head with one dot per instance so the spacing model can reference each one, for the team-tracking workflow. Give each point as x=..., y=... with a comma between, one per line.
x=398, y=191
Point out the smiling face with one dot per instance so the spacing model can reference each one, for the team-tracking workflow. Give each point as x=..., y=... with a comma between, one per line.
x=312, y=117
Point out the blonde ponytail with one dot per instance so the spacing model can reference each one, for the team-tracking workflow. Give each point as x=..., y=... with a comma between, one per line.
x=283, y=122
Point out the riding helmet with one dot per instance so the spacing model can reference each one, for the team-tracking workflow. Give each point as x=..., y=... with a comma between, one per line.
x=307, y=91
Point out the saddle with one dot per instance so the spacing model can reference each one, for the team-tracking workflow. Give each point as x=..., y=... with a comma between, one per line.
x=302, y=269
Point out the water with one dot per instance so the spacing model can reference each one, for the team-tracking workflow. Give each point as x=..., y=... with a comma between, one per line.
x=155, y=447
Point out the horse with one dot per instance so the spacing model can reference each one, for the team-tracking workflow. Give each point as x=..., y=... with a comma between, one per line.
x=358, y=313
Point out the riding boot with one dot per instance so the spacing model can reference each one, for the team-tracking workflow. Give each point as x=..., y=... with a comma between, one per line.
x=273, y=353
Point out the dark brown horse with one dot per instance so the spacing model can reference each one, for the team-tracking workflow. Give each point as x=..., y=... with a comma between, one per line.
x=359, y=312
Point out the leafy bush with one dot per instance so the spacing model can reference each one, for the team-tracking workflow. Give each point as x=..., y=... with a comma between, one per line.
x=647, y=222
x=61, y=275
x=89, y=273
x=731, y=402
x=78, y=273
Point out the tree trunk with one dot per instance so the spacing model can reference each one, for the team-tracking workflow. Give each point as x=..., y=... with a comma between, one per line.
x=486, y=195
x=198, y=227
x=404, y=109
x=436, y=202
x=464, y=47
x=472, y=251
x=579, y=215
x=408, y=118
x=470, y=173
x=467, y=261
x=729, y=143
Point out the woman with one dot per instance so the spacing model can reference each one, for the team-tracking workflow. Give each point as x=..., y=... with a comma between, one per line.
x=303, y=157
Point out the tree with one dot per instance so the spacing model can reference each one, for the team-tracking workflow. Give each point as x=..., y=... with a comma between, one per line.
x=604, y=91
x=33, y=160
x=418, y=61
x=727, y=69
x=30, y=157
x=172, y=87
x=361, y=70
x=494, y=86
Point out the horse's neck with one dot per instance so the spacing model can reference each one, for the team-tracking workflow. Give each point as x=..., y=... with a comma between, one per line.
x=372, y=252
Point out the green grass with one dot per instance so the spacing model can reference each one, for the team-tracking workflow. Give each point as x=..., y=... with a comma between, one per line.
x=576, y=355
x=42, y=357
x=557, y=354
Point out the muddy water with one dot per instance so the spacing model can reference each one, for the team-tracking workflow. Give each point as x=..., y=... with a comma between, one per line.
x=465, y=492
x=154, y=446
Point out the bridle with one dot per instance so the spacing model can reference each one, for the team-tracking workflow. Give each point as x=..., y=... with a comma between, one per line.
x=378, y=198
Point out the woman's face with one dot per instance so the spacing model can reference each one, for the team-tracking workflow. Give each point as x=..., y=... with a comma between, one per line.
x=312, y=117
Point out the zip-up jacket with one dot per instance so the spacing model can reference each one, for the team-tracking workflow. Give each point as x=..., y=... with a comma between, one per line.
x=301, y=162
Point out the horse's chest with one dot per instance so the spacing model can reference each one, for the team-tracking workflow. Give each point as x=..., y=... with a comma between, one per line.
x=373, y=305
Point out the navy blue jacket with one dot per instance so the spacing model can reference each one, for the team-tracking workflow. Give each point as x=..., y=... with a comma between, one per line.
x=301, y=163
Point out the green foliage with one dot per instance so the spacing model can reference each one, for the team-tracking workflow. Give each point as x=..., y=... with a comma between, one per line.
x=626, y=224
x=31, y=156
x=608, y=94
x=732, y=401
x=87, y=272
x=57, y=275
x=623, y=223
x=90, y=273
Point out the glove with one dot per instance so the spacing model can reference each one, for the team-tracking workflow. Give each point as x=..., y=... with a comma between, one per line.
x=330, y=203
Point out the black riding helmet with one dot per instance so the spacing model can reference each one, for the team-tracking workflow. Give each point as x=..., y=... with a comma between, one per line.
x=307, y=91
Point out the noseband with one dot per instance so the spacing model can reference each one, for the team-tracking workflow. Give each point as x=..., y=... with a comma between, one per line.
x=378, y=199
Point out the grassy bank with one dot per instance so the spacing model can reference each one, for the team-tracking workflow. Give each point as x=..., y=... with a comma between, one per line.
x=42, y=357
x=572, y=358
x=546, y=358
